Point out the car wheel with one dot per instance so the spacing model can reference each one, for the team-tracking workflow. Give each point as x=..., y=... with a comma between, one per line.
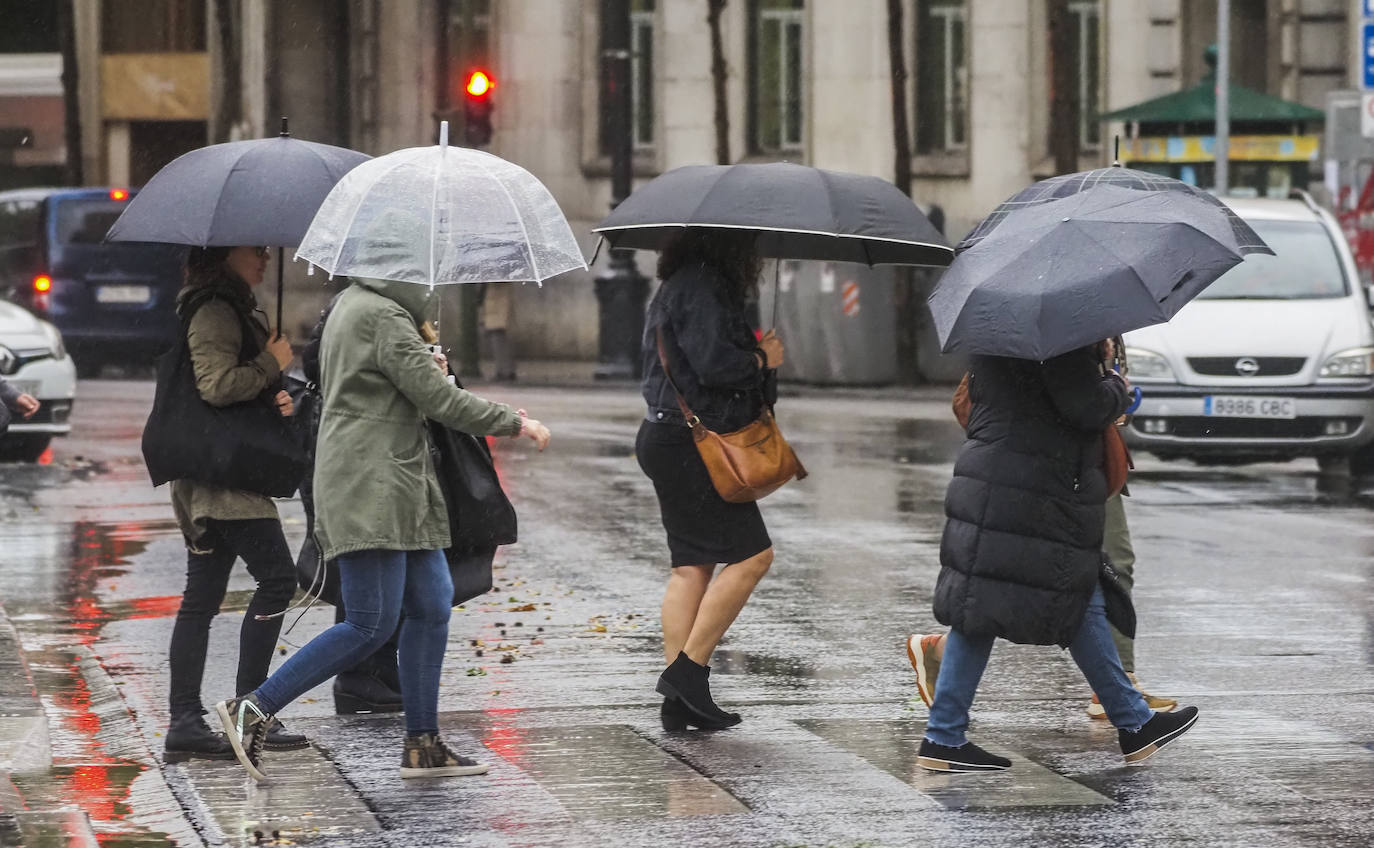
x=24, y=447
x=1362, y=461
x=88, y=367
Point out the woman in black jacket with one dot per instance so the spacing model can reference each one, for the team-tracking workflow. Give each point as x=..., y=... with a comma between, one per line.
x=726, y=377
x=1021, y=557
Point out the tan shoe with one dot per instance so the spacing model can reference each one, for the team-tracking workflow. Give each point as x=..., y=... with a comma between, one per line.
x=1154, y=702
x=921, y=651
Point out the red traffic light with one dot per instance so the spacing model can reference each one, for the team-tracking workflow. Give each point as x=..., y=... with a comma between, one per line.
x=119, y=194
x=479, y=84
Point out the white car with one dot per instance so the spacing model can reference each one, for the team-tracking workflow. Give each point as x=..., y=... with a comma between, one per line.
x=34, y=361
x=1275, y=360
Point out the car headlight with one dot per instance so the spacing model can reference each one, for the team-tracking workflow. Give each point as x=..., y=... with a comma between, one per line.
x=1357, y=362
x=1148, y=365
x=59, y=350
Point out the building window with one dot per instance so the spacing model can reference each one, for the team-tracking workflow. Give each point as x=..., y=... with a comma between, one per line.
x=153, y=26
x=941, y=76
x=642, y=72
x=29, y=27
x=776, y=115
x=1085, y=27
x=642, y=114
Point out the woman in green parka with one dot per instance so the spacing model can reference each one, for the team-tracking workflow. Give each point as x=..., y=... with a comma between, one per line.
x=380, y=512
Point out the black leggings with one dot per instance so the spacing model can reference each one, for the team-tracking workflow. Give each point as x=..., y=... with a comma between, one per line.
x=261, y=545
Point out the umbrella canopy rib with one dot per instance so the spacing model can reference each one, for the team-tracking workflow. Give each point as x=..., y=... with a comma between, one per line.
x=515, y=208
x=352, y=216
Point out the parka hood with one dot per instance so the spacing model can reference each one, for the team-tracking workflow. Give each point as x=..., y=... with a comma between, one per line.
x=413, y=297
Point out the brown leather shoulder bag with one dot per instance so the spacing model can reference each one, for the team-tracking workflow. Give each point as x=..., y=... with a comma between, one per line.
x=746, y=465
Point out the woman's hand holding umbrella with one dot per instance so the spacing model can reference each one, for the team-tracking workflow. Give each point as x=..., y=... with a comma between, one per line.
x=532, y=429
x=771, y=348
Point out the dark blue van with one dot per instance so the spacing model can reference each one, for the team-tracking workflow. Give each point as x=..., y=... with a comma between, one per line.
x=113, y=302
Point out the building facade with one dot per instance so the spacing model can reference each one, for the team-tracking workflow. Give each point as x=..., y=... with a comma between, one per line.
x=806, y=80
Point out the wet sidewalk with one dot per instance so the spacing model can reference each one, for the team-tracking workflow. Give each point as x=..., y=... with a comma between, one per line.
x=1253, y=591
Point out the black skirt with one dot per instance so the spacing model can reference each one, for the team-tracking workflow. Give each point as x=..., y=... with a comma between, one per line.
x=703, y=528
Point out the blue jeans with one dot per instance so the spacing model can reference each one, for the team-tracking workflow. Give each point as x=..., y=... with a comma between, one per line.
x=1092, y=650
x=376, y=584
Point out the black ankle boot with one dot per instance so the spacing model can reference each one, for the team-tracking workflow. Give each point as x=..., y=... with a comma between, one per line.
x=689, y=683
x=364, y=692
x=189, y=737
x=675, y=716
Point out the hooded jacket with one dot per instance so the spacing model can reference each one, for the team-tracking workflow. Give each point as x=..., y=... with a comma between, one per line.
x=375, y=485
x=1022, y=547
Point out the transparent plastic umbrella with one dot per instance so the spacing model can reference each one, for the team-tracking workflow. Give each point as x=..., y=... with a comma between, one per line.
x=438, y=216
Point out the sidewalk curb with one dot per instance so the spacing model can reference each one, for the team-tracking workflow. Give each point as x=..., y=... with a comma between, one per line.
x=24, y=745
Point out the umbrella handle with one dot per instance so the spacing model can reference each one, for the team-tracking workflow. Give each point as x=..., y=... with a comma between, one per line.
x=1136, y=396
x=281, y=255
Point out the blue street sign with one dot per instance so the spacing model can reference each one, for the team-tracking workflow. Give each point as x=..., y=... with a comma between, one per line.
x=1367, y=53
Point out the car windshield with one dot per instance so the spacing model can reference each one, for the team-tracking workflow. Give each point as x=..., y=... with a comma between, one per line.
x=86, y=220
x=1304, y=266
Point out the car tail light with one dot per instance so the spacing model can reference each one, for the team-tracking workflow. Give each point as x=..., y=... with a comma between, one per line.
x=42, y=292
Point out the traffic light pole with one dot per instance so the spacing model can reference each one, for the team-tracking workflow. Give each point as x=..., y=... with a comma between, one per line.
x=621, y=290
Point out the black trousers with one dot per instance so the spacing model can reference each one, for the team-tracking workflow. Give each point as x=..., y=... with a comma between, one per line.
x=262, y=547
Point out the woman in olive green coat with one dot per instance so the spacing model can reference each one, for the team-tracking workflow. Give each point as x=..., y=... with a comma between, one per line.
x=235, y=360
x=379, y=510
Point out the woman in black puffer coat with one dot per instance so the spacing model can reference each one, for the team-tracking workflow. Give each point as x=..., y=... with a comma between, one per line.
x=1021, y=556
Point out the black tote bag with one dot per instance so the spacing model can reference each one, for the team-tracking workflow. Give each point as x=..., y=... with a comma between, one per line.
x=247, y=446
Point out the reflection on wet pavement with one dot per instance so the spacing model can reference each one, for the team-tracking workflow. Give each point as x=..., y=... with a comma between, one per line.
x=893, y=745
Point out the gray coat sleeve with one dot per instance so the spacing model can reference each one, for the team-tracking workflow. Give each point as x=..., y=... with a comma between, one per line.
x=9, y=395
x=409, y=364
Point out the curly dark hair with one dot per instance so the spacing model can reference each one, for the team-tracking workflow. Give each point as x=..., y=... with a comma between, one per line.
x=730, y=253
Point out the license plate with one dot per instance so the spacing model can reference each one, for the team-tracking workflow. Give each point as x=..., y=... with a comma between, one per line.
x=1248, y=406
x=123, y=294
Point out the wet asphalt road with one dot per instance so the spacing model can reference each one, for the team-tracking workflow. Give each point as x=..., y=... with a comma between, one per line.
x=1255, y=591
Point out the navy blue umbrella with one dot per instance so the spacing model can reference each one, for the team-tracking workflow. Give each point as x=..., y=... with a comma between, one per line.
x=263, y=192
x=1064, y=273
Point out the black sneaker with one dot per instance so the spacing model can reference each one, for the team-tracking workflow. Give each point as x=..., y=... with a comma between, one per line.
x=968, y=757
x=190, y=738
x=426, y=755
x=1159, y=731
x=281, y=739
x=246, y=726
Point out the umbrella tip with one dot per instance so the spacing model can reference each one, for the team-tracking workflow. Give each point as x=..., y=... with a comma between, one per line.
x=443, y=134
x=284, y=131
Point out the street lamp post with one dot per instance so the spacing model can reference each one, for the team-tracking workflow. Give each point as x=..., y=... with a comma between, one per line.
x=620, y=290
x=1223, y=132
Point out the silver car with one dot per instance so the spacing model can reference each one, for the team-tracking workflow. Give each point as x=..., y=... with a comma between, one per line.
x=1275, y=360
x=34, y=361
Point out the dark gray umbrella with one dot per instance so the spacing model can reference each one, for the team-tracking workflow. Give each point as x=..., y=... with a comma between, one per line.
x=262, y=192
x=1066, y=185
x=797, y=212
x=1065, y=273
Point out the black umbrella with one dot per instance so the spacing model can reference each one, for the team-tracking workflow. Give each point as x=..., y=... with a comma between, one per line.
x=1062, y=274
x=259, y=192
x=1128, y=178
x=797, y=212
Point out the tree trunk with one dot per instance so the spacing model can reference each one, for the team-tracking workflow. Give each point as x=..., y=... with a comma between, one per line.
x=719, y=71
x=1064, y=119
x=229, y=109
x=905, y=301
x=71, y=91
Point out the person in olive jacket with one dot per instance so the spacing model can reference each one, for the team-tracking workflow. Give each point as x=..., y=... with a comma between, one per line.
x=235, y=360
x=1021, y=557
x=379, y=511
